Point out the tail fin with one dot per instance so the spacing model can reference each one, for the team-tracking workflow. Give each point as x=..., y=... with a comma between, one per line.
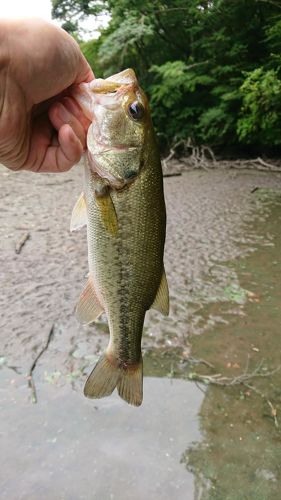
x=129, y=384
x=107, y=375
x=102, y=380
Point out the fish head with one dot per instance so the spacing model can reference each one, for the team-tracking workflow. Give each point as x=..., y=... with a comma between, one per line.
x=119, y=112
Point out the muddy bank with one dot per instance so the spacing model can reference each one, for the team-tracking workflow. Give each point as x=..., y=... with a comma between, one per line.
x=207, y=212
x=223, y=267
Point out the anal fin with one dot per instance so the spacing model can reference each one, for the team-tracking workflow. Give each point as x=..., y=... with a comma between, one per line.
x=161, y=301
x=88, y=308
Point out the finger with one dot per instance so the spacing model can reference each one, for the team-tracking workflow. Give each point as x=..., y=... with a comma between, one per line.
x=59, y=115
x=62, y=157
x=85, y=73
x=74, y=108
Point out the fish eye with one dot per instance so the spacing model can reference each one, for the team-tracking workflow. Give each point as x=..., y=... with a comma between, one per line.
x=136, y=110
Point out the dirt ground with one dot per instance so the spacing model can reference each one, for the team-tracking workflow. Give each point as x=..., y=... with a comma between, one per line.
x=185, y=442
x=40, y=285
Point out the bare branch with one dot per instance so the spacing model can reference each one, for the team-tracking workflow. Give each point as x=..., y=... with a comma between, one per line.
x=242, y=379
x=218, y=379
x=31, y=383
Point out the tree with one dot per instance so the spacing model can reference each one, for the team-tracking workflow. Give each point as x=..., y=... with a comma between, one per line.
x=197, y=60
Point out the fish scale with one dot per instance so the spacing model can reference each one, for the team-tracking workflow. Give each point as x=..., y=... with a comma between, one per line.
x=126, y=223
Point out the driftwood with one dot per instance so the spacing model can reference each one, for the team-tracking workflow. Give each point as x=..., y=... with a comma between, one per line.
x=192, y=157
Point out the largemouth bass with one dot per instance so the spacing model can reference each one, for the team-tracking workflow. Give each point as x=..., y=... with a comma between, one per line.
x=124, y=209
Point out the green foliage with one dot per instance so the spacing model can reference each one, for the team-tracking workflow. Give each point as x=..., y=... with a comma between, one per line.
x=128, y=39
x=212, y=69
x=273, y=40
x=68, y=9
x=172, y=92
x=90, y=50
x=261, y=110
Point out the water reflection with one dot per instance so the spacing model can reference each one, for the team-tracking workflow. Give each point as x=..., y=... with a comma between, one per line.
x=240, y=454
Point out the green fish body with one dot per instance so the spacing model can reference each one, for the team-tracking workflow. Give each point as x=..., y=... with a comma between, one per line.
x=126, y=220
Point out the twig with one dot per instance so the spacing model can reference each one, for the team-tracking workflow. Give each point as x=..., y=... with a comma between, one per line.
x=256, y=163
x=172, y=152
x=196, y=156
x=200, y=388
x=200, y=361
x=14, y=368
x=22, y=242
x=31, y=383
x=176, y=174
x=272, y=408
x=218, y=379
x=37, y=229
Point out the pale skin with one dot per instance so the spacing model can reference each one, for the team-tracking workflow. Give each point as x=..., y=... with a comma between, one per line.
x=42, y=128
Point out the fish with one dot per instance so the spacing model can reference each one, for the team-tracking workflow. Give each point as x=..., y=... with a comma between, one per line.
x=123, y=207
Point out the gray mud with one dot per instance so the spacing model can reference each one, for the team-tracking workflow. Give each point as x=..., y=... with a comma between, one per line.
x=220, y=235
x=207, y=214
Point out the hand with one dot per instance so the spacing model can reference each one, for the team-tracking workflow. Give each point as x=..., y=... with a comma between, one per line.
x=42, y=128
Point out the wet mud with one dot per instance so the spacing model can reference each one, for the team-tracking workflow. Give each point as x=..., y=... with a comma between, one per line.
x=223, y=268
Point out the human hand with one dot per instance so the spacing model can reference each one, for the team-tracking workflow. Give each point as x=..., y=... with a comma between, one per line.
x=42, y=128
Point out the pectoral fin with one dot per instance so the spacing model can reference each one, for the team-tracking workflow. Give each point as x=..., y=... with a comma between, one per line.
x=79, y=214
x=88, y=308
x=161, y=301
x=108, y=213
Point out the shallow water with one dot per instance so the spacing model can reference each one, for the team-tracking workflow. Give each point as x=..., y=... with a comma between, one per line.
x=240, y=453
x=67, y=447
x=224, y=269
